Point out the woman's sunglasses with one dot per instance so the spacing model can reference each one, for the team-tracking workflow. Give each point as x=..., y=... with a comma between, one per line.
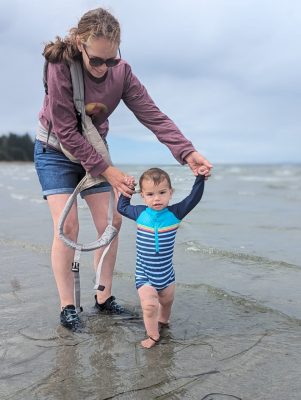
x=97, y=61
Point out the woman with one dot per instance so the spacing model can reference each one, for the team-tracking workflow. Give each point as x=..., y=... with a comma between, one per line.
x=107, y=79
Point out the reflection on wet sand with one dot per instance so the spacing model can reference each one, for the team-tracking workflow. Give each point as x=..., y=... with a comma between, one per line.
x=214, y=347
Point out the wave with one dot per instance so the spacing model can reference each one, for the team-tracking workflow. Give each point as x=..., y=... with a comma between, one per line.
x=21, y=178
x=265, y=179
x=22, y=197
x=17, y=196
x=38, y=201
x=236, y=298
x=279, y=228
x=237, y=256
x=240, y=299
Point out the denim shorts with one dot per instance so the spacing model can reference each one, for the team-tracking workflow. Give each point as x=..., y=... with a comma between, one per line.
x=57, y=174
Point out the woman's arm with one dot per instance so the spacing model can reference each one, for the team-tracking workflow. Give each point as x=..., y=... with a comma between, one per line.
x=137, y=99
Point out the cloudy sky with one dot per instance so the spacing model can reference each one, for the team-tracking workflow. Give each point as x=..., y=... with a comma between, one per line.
x=228, y=72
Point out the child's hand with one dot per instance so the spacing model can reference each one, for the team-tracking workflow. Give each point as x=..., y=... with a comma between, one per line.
x=202, y=170
x=130, y=182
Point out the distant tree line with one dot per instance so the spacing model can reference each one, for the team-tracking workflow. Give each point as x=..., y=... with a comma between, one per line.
x=16, y=148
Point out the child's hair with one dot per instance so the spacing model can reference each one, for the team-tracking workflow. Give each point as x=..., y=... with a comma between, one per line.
x=157, y=175
x=93, y=24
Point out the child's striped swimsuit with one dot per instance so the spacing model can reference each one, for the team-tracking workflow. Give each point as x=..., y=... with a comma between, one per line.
x=156, y=232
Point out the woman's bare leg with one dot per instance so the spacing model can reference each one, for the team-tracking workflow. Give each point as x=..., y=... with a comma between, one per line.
x=98, y=204
x=61, y=255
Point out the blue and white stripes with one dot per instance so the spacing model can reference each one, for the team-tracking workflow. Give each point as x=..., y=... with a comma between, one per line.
x=154, y=256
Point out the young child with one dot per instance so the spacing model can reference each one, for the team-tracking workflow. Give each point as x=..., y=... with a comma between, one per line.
x=157, y=224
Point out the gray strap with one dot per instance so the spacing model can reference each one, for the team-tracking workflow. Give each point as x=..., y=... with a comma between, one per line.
x=110, y=221
x=75, y=269
x=99, y=266
x=78, y=87
x=77, y=292
x=108, y=235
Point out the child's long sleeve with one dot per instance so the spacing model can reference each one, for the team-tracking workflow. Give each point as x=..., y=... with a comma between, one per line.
x=125, y=208
x=181, y=209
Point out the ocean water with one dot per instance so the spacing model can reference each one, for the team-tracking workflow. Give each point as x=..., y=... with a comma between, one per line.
x=242, y=240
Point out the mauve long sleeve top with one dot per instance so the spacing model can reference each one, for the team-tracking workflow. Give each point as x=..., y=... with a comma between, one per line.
x=118, y=84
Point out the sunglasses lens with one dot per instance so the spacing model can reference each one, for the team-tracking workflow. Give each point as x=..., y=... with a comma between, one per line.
x=111, y=62
x=96, y=61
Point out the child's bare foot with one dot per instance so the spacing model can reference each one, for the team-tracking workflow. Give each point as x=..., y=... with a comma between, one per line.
x=150, y=342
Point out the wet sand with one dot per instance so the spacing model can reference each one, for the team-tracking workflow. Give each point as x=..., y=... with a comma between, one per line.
x=218, y=347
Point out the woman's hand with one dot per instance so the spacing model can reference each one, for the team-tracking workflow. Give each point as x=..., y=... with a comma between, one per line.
x=198, y=164
x=123, y=183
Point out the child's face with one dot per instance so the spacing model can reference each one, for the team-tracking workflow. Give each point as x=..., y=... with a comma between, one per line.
x=156, y=197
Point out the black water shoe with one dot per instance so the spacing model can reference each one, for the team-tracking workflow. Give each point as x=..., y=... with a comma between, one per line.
x=69, y=317
x=109, y=306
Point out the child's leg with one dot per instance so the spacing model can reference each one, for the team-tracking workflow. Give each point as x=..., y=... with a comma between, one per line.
x=150, y=307
x=166, y=297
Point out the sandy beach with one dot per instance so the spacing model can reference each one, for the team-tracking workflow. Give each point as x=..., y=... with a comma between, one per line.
x=214, y=344
x=222, y=344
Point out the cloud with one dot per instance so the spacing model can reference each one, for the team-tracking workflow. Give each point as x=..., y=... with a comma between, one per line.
x=227, y=72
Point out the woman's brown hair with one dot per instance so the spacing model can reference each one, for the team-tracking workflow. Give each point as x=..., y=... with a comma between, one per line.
x=93, y=24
